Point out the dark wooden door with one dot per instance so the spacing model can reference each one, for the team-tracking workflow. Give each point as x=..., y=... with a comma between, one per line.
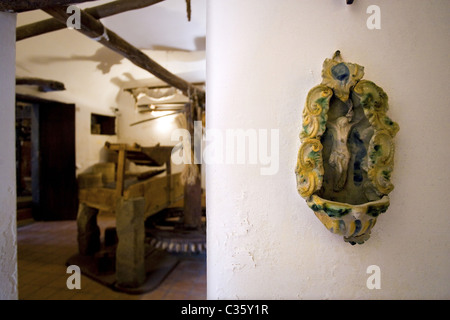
x=54, y=187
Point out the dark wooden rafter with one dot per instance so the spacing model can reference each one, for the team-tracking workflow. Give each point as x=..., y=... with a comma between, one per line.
x=188, y=9
x=154, y=118
x=130, y=90
x=28, y=5
x=98, y=12
x=43, y=84
x=161, y=106
x=94, y=29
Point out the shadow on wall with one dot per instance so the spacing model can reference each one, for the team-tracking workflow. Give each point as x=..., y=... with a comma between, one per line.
x=163, y=25
x=199, y=44
x=106, y=59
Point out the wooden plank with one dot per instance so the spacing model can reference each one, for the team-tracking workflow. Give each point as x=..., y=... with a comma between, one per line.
x=153, y=192
x=153, y=156
x=155, y=195
x=44, y=85
x=27, y=5
x=146, y=174
x=97, y=31
x=160, y=154
x=99, y=198
x=120, y=172
x=119, y=146
x=130, y=251
x=98, y=12
x=140, y=189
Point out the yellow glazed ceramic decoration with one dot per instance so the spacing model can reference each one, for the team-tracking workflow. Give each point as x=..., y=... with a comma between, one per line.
x=346, y=156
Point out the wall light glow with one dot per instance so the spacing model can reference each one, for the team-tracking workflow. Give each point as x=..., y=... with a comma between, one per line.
x=164, y=124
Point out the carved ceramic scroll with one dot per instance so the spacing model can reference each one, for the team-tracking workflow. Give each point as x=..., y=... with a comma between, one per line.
x=346, y=157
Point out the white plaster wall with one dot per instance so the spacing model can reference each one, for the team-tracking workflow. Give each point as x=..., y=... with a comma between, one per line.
x=262, y=59
x=8, y=242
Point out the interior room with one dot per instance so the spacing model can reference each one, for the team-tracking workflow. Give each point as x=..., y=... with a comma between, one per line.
x=90, y=125
x=300, y=153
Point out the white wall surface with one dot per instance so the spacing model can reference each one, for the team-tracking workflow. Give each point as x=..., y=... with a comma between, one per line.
x=8, y=242
x=262, y=59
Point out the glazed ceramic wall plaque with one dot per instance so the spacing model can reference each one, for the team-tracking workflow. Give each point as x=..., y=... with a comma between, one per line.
x=346, y=157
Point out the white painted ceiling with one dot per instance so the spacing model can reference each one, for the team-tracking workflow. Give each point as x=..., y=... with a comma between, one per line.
x=162, y=31
x=162, y=26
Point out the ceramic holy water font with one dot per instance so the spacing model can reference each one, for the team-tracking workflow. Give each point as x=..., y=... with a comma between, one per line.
x=346, y=157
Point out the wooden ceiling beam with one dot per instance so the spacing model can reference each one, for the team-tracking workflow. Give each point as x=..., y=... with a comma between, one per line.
x=28, y=5
x=43, y=85
x=95, y=30
x=98, y=12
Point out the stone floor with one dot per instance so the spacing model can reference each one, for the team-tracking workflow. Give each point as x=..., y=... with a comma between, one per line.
x=44, y=247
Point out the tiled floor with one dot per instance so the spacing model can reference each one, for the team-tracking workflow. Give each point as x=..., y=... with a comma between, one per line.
x=44, y=247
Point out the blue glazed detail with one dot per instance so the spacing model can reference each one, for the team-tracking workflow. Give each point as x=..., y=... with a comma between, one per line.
x=360, y=154
x=358, y=226
x=340, y=72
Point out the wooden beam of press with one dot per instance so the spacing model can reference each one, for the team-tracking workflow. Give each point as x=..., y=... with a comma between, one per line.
x=27, y=5
x=98, y=12
x=95, y=30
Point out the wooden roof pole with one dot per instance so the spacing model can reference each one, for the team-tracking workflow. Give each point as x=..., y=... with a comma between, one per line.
x=28, y=5
x=98, y=12
x=95, y=30
x=44, y=85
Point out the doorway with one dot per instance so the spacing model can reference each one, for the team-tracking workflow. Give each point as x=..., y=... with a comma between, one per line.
x=45, y=159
